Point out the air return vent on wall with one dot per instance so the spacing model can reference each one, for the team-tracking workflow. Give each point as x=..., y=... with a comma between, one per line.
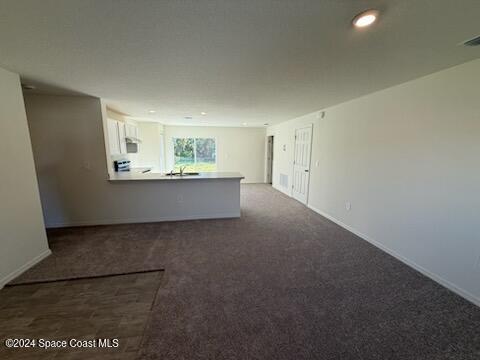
x=472, y=42
x=284, y=180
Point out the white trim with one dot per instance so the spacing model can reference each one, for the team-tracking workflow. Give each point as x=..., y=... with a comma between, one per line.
x=24, y=268
x=143, y=220
x=282, y=190
x=435, y=277
x=106, y=140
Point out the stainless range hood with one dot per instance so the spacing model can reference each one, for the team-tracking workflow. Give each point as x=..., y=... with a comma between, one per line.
x=132, y=140
x=132, y=144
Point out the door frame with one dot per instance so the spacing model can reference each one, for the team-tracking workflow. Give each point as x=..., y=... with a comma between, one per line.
x=270, y=148
x=309, y=161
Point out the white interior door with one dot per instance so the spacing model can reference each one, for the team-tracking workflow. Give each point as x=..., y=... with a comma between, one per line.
x=301, y=164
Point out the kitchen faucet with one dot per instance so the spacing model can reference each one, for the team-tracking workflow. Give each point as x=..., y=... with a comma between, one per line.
x=181, y=169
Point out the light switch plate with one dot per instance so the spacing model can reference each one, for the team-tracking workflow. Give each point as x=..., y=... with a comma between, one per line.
x=348, y=206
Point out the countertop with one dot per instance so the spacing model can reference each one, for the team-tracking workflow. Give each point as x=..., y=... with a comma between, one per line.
x=133, y=175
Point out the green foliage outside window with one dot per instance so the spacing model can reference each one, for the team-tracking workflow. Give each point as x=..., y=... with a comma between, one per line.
x=197, y=154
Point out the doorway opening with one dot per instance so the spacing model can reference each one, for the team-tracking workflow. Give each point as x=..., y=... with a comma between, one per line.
x=270, y=159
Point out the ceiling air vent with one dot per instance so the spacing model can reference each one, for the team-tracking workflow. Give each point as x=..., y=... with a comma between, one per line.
x=472, y=42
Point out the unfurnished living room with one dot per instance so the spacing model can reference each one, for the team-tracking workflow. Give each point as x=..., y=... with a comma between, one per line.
x=240, y=179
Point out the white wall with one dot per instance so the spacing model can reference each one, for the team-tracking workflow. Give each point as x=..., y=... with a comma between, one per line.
x=238, y=149
x=23, y=241
x=407, y=158
x=69, y=151
x=149, y=151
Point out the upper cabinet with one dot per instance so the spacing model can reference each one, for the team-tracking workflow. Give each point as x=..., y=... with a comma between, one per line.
x=131, y=130
x=113, y=137
x=118, y=132
x=122, y=137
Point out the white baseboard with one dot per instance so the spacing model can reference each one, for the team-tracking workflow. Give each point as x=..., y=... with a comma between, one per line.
x=142, y=220
x=282, y=190
x=24, y=268
x=435, y=277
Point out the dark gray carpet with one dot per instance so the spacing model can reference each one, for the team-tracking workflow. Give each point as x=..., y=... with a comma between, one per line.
x=100, y=250
x=285, y=283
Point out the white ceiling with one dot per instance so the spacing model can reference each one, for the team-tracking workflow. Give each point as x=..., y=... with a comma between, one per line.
x=253, y=61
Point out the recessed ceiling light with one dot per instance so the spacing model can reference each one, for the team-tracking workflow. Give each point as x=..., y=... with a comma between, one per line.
x=203, y=113
x=244, y=124
x=152, y=111
x=365, y=18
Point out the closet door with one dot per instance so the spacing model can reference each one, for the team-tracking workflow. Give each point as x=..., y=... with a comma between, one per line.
x=301, y=164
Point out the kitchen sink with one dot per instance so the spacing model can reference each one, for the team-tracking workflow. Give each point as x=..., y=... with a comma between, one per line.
x=184, y=174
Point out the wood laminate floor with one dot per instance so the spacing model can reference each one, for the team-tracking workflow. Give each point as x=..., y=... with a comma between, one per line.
x=102, y=308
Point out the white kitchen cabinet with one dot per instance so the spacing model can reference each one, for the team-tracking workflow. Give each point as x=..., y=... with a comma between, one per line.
x=113, y=137
x=131, y=130
x=116, y=137
x=121, y=134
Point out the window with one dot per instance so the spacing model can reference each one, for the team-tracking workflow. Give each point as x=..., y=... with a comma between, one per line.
x=197, y=154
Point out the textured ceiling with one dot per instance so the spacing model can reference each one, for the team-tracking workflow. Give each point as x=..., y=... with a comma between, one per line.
x=241, y=61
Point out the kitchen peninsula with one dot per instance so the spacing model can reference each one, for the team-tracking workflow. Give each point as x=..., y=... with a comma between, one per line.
x=161, y=197
x=139, y=187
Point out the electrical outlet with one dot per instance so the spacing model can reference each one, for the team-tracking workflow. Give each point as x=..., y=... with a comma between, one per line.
x=348, y=206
